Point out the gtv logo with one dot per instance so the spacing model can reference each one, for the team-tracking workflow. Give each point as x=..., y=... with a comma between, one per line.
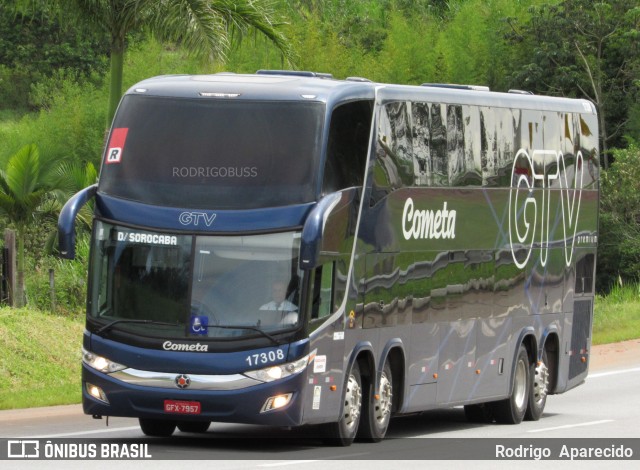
x=542, y=170
x=196, y=218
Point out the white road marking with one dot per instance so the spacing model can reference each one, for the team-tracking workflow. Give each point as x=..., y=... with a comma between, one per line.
x=294, y=462
x=291, y=462
x=569, y=426
x=84, y=433
x=613, y=372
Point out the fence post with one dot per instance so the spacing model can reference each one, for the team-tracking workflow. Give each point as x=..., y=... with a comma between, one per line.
x=10, y=245
x=52, y=289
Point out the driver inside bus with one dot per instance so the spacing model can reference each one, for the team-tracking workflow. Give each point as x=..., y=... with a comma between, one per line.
x=280, y=303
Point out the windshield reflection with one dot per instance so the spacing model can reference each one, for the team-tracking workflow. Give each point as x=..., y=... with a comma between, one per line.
x=245, y=281
x=162, y=285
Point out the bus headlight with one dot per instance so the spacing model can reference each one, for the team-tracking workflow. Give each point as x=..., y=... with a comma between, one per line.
x=100, y=363
x=269, y=374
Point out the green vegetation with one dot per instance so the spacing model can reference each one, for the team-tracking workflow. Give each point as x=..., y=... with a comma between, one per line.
x=201, y=26
x=619, y=238
x=41, y=356
x=70, y=282
x=617, y=316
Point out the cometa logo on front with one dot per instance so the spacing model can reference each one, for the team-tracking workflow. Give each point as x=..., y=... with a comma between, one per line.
x=169, y=346
x=428, y=224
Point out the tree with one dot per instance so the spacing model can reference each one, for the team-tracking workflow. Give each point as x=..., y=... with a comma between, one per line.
x=24, y=186
x=619, y=234
x=202, y=26
x=586, y=49
x=35, y=46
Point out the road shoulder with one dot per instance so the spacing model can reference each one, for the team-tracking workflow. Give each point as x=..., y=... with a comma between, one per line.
x=621, y=355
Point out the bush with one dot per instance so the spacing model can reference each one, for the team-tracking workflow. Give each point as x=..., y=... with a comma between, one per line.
x=619, y=237
x=70, y=281
x=70, y=125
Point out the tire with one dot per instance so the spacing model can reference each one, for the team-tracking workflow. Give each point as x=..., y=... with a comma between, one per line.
x=194, y=426
x=512, y=410
x=478, y=413
x=157, y=427
x=343, y=432
x=540, y=381
x=377, y=412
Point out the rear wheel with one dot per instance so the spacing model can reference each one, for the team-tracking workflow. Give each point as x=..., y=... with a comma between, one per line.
x=194, y=426
x=512, y=410
x=342, y=432
x=540, y=376
x=157, y=427
x=377, y=408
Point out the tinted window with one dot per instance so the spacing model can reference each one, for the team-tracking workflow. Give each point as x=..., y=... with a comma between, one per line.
x=213, y=153
x=347, y=146
x=215, y=288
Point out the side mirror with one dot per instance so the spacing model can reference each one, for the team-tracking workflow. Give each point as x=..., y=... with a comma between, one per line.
x=67, y=221
x=330, y=228
x=313, y=230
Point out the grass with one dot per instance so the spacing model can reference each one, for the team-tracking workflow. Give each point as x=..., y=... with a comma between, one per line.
x=40, y=352
x=39, y=358
x=617, y=316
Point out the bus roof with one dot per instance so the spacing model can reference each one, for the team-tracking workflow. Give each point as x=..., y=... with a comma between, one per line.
x=310, y=86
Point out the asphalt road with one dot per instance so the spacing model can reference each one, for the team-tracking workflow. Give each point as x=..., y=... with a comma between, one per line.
x=605, y=407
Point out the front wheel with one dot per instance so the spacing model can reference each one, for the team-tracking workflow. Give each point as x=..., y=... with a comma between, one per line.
x=157, y=427
x=377, y=408
x=194, y=426
x=512, y=410
x=343, y=432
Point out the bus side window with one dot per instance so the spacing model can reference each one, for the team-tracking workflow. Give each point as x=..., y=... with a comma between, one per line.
x=393, y=167
x=322, y=298
x=584, y=274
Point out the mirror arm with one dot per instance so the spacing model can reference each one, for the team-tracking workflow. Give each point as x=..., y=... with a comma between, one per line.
x=313, y=230
x=67, y=221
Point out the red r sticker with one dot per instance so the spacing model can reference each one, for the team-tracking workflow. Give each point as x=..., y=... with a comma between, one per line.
x=116, y=144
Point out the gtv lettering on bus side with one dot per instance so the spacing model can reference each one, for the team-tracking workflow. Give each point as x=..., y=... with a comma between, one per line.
x=525, y=177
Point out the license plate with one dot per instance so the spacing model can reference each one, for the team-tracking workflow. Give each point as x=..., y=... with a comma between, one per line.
x=182, y=407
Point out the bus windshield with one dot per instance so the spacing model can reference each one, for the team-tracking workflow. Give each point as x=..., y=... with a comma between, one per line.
x=176, y=286
x=213, y=153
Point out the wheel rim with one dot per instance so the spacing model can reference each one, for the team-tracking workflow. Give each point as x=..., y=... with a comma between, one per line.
x=520, y=385
x=352, y=403
x=540, y=383
x=383, y=404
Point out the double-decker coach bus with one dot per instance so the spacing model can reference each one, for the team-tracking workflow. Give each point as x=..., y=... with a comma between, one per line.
x=288, y=249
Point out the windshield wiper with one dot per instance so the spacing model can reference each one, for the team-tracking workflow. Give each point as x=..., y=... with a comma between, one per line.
x=108, y=326
x=246, y=327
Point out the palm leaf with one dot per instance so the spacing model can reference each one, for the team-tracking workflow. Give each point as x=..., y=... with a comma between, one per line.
x=23, y=171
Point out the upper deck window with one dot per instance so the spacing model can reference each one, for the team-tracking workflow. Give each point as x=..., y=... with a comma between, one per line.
x=214, y=153
x=347, y=146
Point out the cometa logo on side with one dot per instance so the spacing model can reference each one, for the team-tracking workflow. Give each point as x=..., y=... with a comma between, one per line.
x=428, y=224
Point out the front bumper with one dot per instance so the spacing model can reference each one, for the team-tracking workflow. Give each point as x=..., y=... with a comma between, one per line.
x=238, y=405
